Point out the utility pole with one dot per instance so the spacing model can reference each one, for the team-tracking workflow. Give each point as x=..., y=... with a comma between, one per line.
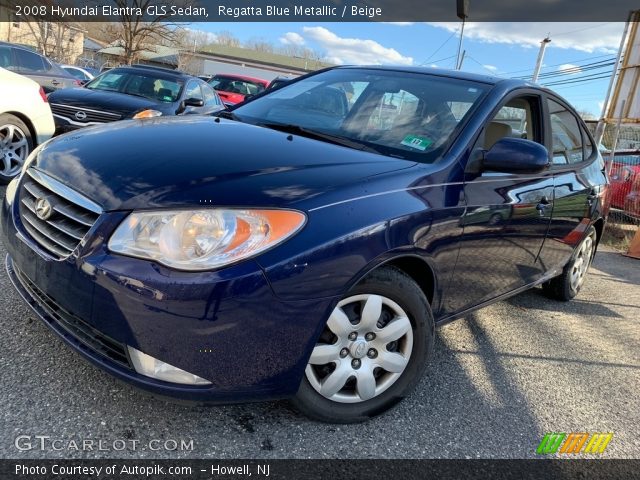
x=462, y=12
x=461, y=59
x=600, y=127
x=543, y=46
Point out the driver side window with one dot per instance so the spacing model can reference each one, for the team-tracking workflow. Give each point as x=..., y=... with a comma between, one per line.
x=518, y=118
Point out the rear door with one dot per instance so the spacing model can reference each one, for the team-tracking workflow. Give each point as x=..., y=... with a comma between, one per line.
x=507, y=215
x=579, y=182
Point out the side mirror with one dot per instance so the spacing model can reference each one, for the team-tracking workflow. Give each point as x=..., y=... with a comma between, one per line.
x=516, y=155
x=193, y=102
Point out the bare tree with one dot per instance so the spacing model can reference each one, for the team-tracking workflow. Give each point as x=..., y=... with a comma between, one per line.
x=259, y=45
x=227, y=38
x=52, y=39
x=136, y=32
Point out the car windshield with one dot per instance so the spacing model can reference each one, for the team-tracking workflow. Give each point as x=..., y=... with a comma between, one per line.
x=403, y=114
x=236, y=85
x=141, y=84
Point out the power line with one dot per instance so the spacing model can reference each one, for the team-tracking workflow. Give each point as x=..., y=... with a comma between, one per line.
x=559, y=64
x=572, y=71
x=440, y=47
x=586, y=78
x=581, y=29
x=443, y=59
x=473, y=59
x=572, y=86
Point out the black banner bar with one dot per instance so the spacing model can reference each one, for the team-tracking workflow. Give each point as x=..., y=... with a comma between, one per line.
x=320, y=469
x=319, y=10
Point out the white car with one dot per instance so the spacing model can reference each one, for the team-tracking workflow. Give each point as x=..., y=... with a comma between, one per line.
x=25, y=121
x=80, y=73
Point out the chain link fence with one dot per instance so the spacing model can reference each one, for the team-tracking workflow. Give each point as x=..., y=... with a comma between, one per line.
x=624, y=174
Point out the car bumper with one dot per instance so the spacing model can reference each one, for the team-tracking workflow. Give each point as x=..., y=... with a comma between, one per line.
x=44, y=127
x=226, y=326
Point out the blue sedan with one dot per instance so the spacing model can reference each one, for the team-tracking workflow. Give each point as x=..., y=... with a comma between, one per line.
x=305, y=244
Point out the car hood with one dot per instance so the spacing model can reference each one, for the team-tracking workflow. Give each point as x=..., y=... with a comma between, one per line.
x=170, y=162
x=103, y=100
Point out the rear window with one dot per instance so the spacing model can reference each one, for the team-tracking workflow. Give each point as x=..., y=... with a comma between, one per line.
x=236, y=85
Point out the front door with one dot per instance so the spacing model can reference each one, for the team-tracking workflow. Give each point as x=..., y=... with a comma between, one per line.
x=507, y=216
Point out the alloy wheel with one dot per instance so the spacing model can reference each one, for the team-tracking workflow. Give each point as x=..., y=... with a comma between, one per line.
x=581, y=263
x=14, y=149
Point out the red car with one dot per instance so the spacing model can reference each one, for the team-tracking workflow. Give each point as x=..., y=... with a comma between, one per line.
x=236, y=88
x=625, y=182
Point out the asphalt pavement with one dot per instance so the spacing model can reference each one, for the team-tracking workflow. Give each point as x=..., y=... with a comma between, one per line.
x=499, y=380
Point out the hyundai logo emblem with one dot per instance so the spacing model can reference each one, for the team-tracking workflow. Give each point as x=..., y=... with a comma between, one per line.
x=80, y=115
x=44, y=210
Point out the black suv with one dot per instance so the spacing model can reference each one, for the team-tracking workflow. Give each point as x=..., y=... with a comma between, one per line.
x=131, y=92
x=26, y=62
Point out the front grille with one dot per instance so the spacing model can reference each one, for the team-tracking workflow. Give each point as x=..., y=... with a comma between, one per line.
x=70, y=218
x=85, y=334
x=87, y=116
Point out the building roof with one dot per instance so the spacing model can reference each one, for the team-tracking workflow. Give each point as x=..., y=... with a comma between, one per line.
x=92, y=44
x=268, y=58
x=156, y=53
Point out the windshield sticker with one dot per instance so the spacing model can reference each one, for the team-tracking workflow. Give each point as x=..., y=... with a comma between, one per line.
x=419, y=143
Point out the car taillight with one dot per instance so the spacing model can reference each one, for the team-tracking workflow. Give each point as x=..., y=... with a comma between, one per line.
x=43, y=95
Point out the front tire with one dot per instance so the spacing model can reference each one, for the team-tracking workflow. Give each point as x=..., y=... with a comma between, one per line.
x=372, y=352
x=16, y=143
x=566, y=286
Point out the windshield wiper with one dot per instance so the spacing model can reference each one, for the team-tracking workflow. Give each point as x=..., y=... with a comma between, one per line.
x=327, y=137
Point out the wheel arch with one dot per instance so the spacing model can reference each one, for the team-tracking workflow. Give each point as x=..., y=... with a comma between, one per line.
x=599, y=226
x=415, y=266
x=28, y=123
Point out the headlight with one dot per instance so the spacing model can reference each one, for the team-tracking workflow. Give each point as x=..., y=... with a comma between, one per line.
x=154, y=368
x=147, y=114
x=203, y=239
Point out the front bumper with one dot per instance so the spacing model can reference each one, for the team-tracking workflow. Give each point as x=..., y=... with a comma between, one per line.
x=226, y=326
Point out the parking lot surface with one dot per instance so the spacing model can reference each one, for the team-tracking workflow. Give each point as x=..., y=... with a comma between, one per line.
x=499, y=380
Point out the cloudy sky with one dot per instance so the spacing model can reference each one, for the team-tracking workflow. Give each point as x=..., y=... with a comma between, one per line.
x=504, y=49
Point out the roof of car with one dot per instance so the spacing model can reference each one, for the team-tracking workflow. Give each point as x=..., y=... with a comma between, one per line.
x=475, y=77
x=243, y=77
x=162, y=72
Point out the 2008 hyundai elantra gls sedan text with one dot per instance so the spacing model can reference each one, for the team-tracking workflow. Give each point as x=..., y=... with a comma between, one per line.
x=305, y=244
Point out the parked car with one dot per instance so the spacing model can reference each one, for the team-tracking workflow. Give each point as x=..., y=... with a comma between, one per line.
x=279, y=81
x=292, y=249
x=25, y=121
x=236, y=88
x=26, y=62
x=625, y=182
x=138, y=91
x=84, y=74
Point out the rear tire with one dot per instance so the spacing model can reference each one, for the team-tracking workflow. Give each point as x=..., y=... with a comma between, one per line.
x=16, y=143
x=567, y=285
x=372, y=353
